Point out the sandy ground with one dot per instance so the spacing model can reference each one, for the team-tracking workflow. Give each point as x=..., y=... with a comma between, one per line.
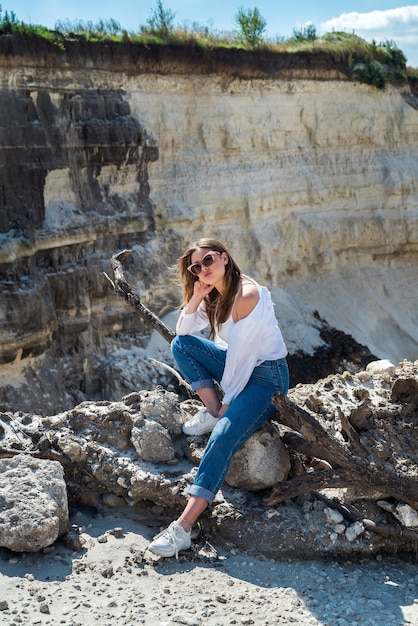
x=115, y=580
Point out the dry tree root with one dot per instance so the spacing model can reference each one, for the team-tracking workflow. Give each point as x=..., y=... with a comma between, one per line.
x=349, y=469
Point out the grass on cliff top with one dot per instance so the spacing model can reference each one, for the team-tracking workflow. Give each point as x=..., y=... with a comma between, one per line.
x=372, y=63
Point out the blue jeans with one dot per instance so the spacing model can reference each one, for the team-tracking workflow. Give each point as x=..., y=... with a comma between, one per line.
x=200, y=363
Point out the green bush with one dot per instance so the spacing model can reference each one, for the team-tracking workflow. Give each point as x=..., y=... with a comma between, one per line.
x=99, y=31
x=10, y=25
x=306, y=33
x=372, y=72
x=251, y=26
x=393, y=54
x=161, y=22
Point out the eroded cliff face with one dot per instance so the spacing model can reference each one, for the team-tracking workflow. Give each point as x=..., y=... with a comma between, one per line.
x=309, y=178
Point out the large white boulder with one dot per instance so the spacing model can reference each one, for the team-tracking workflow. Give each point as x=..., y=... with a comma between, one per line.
x=33, y=503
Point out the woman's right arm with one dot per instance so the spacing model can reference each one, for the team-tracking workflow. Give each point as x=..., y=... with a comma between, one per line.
x=189, y=323
x=193, y=316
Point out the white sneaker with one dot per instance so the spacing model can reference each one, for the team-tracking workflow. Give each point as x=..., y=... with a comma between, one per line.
x=170, y=541
x=203, y=422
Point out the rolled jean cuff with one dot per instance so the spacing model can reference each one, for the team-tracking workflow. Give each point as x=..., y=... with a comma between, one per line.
x=201, y=492
x=199, y=384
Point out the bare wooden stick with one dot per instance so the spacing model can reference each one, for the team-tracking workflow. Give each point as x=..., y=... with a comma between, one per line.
x=122, y=287
x=352, y=434
x=307, y=483
x=296, y=418
x=49, y=455
x=172, y=371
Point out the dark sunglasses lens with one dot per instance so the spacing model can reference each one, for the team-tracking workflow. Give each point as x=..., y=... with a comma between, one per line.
x=207, y=260
x=196, y=269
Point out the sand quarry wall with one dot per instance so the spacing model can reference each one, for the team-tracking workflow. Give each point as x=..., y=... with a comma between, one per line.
x=309, y=177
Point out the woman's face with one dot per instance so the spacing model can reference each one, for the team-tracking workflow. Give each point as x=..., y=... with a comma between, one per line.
x=209, y=265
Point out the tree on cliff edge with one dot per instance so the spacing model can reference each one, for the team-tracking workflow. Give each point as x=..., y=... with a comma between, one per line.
x=251, y=26
x=161, y=22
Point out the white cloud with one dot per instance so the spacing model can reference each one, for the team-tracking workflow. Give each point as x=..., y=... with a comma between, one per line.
x=399, y=25
x=393, y=23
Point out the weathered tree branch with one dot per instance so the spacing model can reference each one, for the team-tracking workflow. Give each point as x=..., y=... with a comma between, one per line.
x=46, y=455
x=355, y=442
x=172, y=371
x=307, y=483
x=296, y=418
x=122, y=287
x=349, y=469
x=297, y=442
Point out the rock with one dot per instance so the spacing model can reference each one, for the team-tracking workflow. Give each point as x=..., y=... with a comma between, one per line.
x=74, y=541
x=105, y=422
x=386, y=506
x=106, y=569
x=406, y=515
x=152, y=442
x=361, y=416
x=159, y=406
x=405, y=390
x=384, y=366
x=113, y=501
x=333, y=516
x=339, y=529
x=354, y=531
x=33, y=499
x=115, y=477
x=262, y=462
x=72, y=448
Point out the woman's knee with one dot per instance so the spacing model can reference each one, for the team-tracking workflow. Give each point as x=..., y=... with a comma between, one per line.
x=179, y=343
x=221, y=435
x=184, y=343
x=174, y=346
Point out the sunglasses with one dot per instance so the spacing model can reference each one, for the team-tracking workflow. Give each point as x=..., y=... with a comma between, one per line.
x=208, y=259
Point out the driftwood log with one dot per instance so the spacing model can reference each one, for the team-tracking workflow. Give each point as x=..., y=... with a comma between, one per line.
x=348, y=468
x=350, y=464
x=122, y=287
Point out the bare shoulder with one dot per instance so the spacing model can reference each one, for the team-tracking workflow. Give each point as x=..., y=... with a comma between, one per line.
x=247, y=299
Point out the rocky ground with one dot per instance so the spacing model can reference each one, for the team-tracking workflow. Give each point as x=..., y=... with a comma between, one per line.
x=296, y=562
x=116, y=580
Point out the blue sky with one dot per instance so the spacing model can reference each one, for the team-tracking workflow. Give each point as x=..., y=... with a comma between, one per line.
x=371, y=19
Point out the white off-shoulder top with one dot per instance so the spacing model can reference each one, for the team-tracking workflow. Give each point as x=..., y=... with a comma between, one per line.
x=252, y=340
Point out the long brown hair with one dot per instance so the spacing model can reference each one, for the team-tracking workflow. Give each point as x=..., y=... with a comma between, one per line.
x=217, y=305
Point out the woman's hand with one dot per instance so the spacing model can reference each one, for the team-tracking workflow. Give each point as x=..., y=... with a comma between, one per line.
x=200, y=290
x=223, y=410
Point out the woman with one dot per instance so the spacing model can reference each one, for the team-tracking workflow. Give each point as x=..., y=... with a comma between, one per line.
x=245, y=355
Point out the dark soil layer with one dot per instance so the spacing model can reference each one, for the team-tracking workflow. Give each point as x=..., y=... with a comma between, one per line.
x=341, y=352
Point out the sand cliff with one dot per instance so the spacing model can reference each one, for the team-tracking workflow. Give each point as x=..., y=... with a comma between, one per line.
x=309, y=177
